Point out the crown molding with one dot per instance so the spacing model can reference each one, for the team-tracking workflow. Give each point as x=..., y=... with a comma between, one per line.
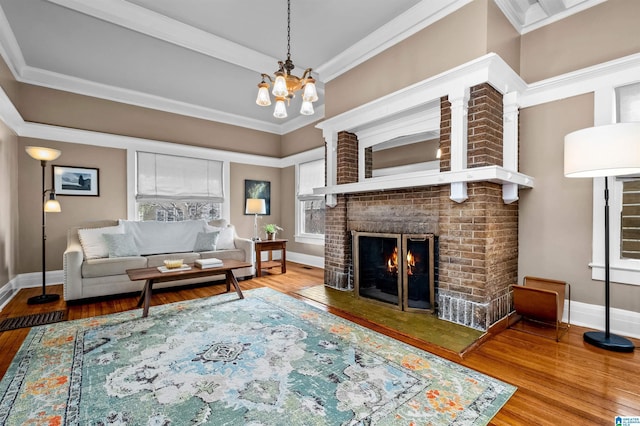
x=617, y=72
x=80, y=86
x=541, y=12
x=410, y=22
x=161, y=27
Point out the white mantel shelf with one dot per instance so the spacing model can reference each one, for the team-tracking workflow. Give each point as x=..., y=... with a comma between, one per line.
x=495, y=174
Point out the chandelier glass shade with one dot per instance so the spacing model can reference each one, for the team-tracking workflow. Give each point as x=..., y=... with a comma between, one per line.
x=285, y=84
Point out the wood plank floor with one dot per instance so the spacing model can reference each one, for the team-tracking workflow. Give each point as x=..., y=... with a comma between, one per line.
x=558, y=383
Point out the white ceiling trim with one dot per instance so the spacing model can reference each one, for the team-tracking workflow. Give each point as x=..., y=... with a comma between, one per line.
x=618, y=72
x=67, y=83
x=524, y=18
x=410, y=22
x=147, y=22
x=9, y=48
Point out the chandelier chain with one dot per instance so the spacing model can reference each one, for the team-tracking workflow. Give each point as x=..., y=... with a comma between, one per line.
x=289, y=29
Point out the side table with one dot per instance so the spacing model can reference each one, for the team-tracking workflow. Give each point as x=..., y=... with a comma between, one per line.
x=269, y=246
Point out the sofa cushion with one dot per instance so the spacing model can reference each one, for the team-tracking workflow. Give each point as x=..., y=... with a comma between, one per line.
x=153, y=237
x=226, y=237
x=121, y=245
x=92, y=268
x=158, y=259
x=237, y=254
x=93, y=244
x=206, y=241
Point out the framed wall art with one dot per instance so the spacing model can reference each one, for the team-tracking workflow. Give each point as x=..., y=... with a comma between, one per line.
x=70, y=180
x=258, y=189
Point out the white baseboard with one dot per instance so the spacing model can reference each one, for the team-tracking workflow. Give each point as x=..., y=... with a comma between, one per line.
x=622, y=322
x=306, y=259
x=29, y=280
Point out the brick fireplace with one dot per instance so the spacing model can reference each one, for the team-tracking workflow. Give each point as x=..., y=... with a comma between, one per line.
x=478, y=238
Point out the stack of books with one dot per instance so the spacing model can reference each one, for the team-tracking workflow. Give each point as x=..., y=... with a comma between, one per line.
x=208, y=263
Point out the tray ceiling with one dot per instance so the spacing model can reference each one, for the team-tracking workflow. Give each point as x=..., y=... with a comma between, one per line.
x=204, y=59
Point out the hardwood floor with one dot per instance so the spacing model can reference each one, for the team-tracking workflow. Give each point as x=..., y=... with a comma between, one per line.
x=568, y=382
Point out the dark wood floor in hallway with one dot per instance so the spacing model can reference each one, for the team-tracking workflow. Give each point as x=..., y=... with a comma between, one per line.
x=568, y=382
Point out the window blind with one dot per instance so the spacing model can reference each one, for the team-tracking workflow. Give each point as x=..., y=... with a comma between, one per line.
x=630, y=230
x=171, y=177
x=310, y=175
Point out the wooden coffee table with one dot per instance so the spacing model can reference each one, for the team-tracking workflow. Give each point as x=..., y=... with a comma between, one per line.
x=153, y=275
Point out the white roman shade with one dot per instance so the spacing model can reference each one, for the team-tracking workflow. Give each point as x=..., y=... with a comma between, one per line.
x=170, y=177
x=310, y=175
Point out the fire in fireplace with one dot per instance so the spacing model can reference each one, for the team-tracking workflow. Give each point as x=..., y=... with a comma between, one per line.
x=395, y=269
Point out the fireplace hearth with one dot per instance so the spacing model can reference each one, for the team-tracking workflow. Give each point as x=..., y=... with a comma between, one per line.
x=395, y=269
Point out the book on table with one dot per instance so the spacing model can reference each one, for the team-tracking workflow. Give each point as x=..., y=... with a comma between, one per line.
x=208, y=263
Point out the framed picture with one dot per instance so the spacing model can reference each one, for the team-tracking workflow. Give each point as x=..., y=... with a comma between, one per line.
x=69, y=180
x=258, y=189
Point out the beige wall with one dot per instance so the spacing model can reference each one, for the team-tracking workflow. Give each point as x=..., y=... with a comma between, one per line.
x=242, y=222
x=502, y=38
x=602, y=33
x=455, y=39
x=555, y=226
x=42, y=105
x=406, y=154
x=556, y=216
x=111, y=204
x=9, y=205
x=301, y=140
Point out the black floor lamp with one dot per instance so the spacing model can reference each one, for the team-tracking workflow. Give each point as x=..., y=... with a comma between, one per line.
x=604, y=151
x=50, y=205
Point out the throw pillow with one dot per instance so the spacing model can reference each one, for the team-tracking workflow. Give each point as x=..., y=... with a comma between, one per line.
x=93, y=245
x=121, y=245
x=225, y=239
x=206, y=241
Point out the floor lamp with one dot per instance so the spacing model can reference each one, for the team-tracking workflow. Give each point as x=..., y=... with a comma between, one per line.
x=255, y=206
x=604, y=151
x=48, y=206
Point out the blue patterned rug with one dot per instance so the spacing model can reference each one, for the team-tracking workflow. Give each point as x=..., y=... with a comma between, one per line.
x=266, y=360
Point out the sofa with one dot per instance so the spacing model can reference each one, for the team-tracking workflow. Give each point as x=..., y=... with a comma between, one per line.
x=99, y=253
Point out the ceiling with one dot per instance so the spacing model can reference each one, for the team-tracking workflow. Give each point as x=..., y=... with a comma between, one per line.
x=204, y=58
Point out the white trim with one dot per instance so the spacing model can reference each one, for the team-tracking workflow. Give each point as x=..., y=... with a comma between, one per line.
x=410, y=22
x=495, y=174
x=313, y=239
x=306, y=259
x=161, y=27
x=8, y=292
x=622, y=322
x=585, y=80
x=57, y=81
x=549, y=11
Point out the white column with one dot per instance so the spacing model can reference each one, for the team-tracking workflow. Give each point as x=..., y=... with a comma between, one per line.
x=459, y=117
x=510, y=143
x=331, y=139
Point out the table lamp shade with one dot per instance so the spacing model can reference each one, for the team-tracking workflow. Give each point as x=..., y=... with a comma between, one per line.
x=611, y=150
x=255, y=206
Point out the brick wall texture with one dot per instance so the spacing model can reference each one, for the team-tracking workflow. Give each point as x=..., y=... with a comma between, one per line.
x=478, y=239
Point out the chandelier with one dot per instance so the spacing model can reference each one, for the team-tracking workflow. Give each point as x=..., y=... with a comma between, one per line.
x=286, y=84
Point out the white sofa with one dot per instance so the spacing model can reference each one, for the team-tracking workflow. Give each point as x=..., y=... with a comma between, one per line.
x=95, y=265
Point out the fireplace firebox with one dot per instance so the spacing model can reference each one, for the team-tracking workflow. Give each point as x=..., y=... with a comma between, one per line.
x=395, y=269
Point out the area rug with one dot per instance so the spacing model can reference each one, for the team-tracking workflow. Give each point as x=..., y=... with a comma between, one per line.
x=419, y=325
x=31, y=320
x=268, y=359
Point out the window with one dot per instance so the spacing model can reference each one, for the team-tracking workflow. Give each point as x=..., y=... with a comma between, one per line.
x=630, y=220
x=173, y=188
x=310, y=207
x=622, y=104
